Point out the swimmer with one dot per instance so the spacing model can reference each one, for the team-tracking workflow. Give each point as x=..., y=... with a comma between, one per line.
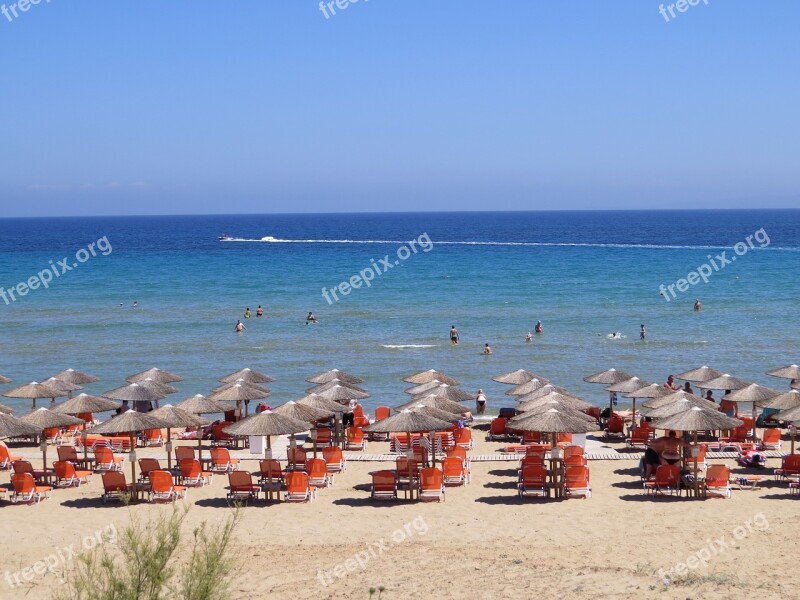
x=259, y=311
x=671, y=385
x=642, y=332
x=247, y=313
x=539, y=327
x=454, y=335
x=239, y=327
x=135, y=304
x=311, y=318
x=698, y=306
x=529, y=337
x=487, y=349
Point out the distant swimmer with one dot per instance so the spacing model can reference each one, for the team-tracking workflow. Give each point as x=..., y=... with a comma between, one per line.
x=247, y=313
x=710, y=396
x=671, y=385
x=529, y=337
x=487, y=349
x=454, y=335
x=259, y=311
x=687, y=387
x=135, y=304
x=615, y=335
x=239, y=326
x=311, y=318
x=539, y=327
x=698, y=306
x=642, y=332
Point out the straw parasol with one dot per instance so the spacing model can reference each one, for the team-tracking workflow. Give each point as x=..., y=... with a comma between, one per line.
x=155, y=374
x=339, y=392
x=608, y=377
x=4, y=380
x=238, y=392
x=130, y=422
x=302, y=412
x=787, y=372
x=541, y=407
x=436, y=413
x=699, y=375
x=673, y=408
x=200, y=405
x=84, y=403
x=447, y=391
x=785, y=401
x=12, y=427
x=76, y=377
x=527, y=387
x=6, y=410
x=650, y=391
x=133, y=392
x=177, y=417
x=572, y=402
x=697, y=419
x=679, y=395
x=42, y=419
x=725, y=382
x=434, y=402
x=321, y=387
x=158, y=387
x=543, y=391
x=318, y=402
x=430, y=375
x=62, y=386
x=334, y=374
x=244, y=382
x=248, y=375
x=35, y=390
x=629, y=385
x=409, y=422
x=267, y=424
x=791, y=415
x=517, y=377
x=423, y=387
x=752, y=393
x=795, y=385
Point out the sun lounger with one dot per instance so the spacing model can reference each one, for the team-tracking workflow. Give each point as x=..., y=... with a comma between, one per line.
x=771, y=440
x=717, y=482
x=335, y=459
x=26, y=490
x=666, y=481
x=221, y=461
x=6, y=459
x=318, y=475
x=67, y=476
x=296, y=459
x=298, y=488
x=454, y=472
x=192, y=473
x=789, y=466
x=104, y=459
x=271, y=469
x=533, y=481
x=576, y=482
x=241, y=487
x=356, y=439
x=384, y=485
x=115, y=487
x=163, y=489
x=431, y=485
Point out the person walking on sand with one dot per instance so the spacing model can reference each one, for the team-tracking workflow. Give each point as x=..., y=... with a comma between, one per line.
x=642, y=332
x=487, y=349
x=480, y=403
x=454, y=335
x=698, y=306
x=239, y=326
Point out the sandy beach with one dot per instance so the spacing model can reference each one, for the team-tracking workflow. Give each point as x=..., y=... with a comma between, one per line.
x=481, y=542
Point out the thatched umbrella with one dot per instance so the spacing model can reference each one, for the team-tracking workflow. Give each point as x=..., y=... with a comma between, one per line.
x=12, y=427
x=546, y=405
x=334, y=374
x=788, y=372
x=303, y=412
x=4, y=380
x=62, y=386
x=318, y=402
x=6, y=410
x=625, y=387
x=430, y=375
x=699, y=375
x=267, y=424
x=555, y=421
x=697, y=419
x=517, y=377
x=725, y=382
x=200, y=405
x=409, y=422
x=673, y=408
x=679, y=395
x=155, y=374
x=447, y=391
x=527, y=387
x=791, y=415
x=321, y=387
x=423, y=387
x=157, y=386
x=133, y=393
x=84, y=403
x=238, y=393
x=795, y=385
x=437, y=402
x=76, y=377
x=130, y=422
x=785, y=401
x=608, y=377
x=542, y=391
x=177, y=417
x=648, y=392
x=752, y=393
x=338, y=392
x=248, y=375
x=255, y=386
x=436, y=413
x=35, y=390
x=42, y=419
x=569, y=400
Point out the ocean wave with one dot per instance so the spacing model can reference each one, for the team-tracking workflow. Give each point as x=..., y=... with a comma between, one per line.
x=273, y=240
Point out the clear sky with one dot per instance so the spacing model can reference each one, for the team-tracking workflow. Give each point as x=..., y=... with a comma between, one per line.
x=143, y=107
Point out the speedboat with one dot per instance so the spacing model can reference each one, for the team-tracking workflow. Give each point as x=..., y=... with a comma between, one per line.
x=225, y=238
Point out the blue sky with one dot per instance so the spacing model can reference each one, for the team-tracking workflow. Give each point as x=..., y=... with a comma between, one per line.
x=267, y=106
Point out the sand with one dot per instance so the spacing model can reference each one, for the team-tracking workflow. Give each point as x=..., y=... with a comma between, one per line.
x=481, y=542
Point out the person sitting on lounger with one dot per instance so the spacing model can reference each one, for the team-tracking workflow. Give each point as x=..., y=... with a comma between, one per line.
x=665, y=450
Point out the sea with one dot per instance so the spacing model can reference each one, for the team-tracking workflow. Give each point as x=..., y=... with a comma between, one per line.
x=493, y=275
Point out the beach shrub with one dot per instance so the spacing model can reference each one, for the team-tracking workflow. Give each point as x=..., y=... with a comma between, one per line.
x=145, y=564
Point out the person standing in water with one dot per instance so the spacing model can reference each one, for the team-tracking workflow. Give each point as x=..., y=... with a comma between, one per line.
x=259, y=311
x=311, y=318
x=239, y=326
x=529, y=337
x=480, y=403
x=698, y=306
x=539, y=327
x=642, y=332
x=247, y=313
x=487, y=349
x=454, y=335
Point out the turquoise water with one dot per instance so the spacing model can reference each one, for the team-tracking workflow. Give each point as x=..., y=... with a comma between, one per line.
x=492, y=275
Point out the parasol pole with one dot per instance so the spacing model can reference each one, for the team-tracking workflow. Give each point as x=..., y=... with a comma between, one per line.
x=168, y=447
x=696, y=460
x=43, y=448
x=132, y=458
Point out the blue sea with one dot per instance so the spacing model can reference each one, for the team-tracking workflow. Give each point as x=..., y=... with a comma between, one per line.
x=492, y=275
